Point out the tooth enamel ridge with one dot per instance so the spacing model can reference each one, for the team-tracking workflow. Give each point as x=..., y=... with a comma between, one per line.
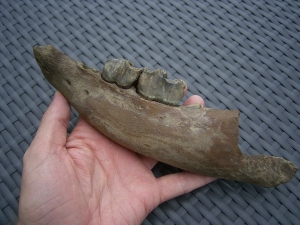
x=151, y=85
x=120, y=72
x=154, y=85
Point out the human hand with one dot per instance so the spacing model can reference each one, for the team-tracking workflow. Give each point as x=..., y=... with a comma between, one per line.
x=85, y=178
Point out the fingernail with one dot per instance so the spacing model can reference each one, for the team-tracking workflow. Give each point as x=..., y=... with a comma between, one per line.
x=55, y=94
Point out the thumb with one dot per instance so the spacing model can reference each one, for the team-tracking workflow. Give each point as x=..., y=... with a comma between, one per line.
x=52, y=132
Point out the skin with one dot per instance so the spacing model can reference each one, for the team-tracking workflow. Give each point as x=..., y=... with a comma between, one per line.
x=85, y=178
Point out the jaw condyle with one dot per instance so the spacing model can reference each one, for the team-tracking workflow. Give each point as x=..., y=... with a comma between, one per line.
x=137, y=109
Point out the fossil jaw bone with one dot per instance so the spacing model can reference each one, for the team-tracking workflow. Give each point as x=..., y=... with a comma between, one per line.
x=193, y=138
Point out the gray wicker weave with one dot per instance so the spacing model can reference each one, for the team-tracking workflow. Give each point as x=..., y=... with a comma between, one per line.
x=236, y=54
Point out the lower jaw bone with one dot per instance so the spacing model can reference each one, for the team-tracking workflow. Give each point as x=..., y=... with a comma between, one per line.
x=193, y=138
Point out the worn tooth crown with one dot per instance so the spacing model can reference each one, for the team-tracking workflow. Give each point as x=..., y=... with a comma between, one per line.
x=155, y=86
x=121, y=72
x=152, y=85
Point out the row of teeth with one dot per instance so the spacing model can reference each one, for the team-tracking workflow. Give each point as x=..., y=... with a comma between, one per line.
x=152, y=85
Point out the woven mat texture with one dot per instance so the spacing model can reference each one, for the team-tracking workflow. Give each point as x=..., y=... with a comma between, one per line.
x=235, y=54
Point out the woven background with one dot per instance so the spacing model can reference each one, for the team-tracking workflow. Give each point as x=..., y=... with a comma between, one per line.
x=235, y=54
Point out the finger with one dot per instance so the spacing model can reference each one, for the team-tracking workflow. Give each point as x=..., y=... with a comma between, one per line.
x=52, y=131
x=176, y=184
x=193, y=100
x=149, y=162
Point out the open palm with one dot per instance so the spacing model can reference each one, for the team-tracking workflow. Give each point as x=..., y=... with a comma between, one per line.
x=86, y=178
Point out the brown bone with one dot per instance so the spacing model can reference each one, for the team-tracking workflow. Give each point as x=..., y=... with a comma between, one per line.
x=192, y=138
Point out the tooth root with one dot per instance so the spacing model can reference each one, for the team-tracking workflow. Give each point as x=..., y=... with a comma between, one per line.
x=120, y=72
x=154, y=85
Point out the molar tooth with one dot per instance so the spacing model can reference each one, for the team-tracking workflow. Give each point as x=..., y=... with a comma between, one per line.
x=120, y=72
x=154, y=85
